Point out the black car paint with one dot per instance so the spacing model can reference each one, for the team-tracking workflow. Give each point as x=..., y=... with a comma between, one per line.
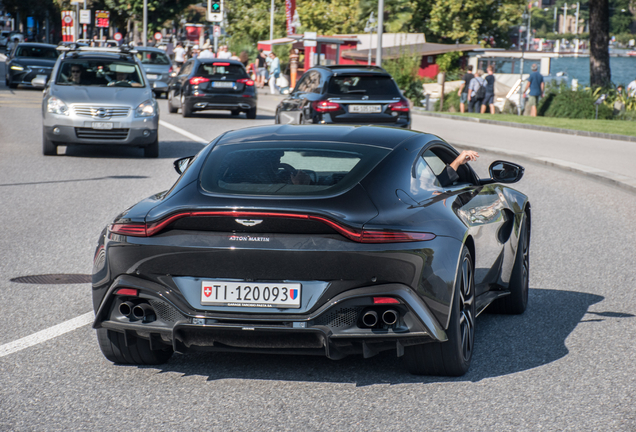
x=298, y=108
x=170, y=265
x=33, y=66
x=181, y=91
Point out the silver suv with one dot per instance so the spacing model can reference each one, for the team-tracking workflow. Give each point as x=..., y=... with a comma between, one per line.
x=99, y=96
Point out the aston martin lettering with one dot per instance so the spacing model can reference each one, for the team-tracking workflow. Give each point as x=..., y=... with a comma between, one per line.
x=249, y=238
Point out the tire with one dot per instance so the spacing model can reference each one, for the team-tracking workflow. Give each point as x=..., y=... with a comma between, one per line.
x=235, y=112
x=516, y=302
x=251, y=113
x=171, y=109
x=138, y=352
x=48, y=148
x=453, y=357
x=277, y=118
x=185, y=110
x=152, y=150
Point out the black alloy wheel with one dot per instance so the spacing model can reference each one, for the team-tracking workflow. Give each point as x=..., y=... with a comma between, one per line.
x=137, y=352
x=517, y=301
x=453, y=357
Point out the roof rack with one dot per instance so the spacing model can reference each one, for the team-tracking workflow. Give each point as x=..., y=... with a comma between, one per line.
x=74, y=47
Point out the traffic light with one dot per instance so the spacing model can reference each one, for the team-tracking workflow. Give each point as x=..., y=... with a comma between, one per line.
x=215, y=10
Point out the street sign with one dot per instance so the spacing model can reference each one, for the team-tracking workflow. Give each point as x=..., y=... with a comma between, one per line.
x=158, y=36
x=102, y=18
x=117, y=36
x=85, y=16
x=215, y=10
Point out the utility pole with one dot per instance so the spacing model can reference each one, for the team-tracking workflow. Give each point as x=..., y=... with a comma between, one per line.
x=576, y=25
x=555, y=20
x=378, y=51
x=565, y=16
x=271, y=26
x=529, y=32
x=369, y=28
x=145, y=35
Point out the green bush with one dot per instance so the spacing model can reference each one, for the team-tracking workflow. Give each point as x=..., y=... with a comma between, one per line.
x=576, y=105
x=451, y=102
x=413, y=92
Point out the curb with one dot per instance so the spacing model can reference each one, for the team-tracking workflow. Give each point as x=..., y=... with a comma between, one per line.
x=616, y=137
x=619, y=180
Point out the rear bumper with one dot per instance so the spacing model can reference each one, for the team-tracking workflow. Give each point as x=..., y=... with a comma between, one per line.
x=220, y=102
x=334, y=330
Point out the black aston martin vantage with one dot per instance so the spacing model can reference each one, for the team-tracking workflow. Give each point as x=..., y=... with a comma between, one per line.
x=327, y=240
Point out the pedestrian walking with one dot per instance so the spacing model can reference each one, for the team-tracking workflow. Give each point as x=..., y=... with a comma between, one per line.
x=476, y=92
x=274, y=73
x=537, y=87
x=489, y=98
x=463, y=89
x=261, y=69
x=179, y=55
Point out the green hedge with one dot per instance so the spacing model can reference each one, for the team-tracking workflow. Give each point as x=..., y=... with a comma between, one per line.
x=574, y=105
x=451, y=102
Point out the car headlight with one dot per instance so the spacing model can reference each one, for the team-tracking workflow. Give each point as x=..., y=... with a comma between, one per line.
x=56, y=106
x=17, y=67
x=146, y=109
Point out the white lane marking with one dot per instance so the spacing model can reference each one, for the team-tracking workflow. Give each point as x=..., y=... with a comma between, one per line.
x=183, y=132
x=46, y=334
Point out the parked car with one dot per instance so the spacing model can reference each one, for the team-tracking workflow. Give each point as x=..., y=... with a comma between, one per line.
x=212, y=84
x=28, y=61
x=156, y=64
x=345, y=94
x=99, y=96
x=328, y=240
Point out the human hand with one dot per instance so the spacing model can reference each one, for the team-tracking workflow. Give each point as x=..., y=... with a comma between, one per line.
x=300, y=178
x=467, y=156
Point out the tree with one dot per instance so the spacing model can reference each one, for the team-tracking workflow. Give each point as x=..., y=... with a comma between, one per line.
x=600, y=74
x=159, y=11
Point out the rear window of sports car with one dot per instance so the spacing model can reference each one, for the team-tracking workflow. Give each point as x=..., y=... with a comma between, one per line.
x=288, y=168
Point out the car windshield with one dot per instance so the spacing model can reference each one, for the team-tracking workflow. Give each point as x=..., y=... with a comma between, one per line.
x=36, y=52
x=221, y=70
x=99, y=73
x=153, y=58
x=368, y=85
x=288, y=168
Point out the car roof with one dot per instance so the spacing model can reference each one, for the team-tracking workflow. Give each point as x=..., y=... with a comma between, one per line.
x=357, y=69
x=37, y=45
x=100, y=55
x=380, y=136
x=217, y=60
x=153, y=49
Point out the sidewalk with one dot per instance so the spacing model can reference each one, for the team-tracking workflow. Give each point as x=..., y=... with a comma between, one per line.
x=608, y=160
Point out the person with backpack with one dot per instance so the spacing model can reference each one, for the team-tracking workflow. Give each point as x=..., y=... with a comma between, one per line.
x=489, y=98
x=476, y=92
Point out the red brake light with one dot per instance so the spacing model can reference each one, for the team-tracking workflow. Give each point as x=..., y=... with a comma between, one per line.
x=221, y=64
x=132, y=229
x=170, y=70
x=385, y=300
x=400, y=106
x=248, y=82
x=127, y=292
x=326, y=106
x=198, y=80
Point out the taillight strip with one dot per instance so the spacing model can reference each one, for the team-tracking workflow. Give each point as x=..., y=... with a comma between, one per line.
x=357, y=235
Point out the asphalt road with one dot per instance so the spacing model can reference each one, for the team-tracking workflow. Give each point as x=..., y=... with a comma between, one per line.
x=568, y=363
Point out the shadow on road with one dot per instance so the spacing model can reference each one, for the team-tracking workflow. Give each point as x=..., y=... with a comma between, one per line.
x=167, y=150
x=504, y=345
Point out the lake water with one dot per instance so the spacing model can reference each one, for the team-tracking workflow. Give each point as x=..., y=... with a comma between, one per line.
x=623, y=69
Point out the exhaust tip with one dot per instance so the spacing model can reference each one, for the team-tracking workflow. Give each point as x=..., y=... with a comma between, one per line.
x=370, y=318
x=144, y=312
x=126, y=308
x=390, y=317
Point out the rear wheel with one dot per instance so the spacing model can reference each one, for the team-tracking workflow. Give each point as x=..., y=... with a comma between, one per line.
x=450, y=358
x=185, y=110
x=277, y=118
x=251, y=113
x=516, y=302
x=152, y=150
x=113, y=346
x=48, y=148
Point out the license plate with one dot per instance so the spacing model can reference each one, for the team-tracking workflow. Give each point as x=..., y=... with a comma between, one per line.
x=251, y=294
x=365, y=108
x=102, y=125
x=222, y=84
x=152, y=76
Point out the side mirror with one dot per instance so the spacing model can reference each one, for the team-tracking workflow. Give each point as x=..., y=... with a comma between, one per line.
x=159, y=87
x=180, y=165
x=39, y=82
x=505, y=172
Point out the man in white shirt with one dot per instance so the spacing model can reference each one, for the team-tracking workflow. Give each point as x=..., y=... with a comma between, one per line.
x=631, y=89
x=179, y=54
x=206, y=53
x=224, y=53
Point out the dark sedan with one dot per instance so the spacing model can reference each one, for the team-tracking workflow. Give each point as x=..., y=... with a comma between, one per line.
x=345, y=94
x=28, y=61
x=212, y=84
x=156, y=64
x=326, y=240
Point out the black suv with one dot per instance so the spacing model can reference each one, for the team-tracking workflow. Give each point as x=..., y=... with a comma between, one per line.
x=212, y=84
x=345, y=94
